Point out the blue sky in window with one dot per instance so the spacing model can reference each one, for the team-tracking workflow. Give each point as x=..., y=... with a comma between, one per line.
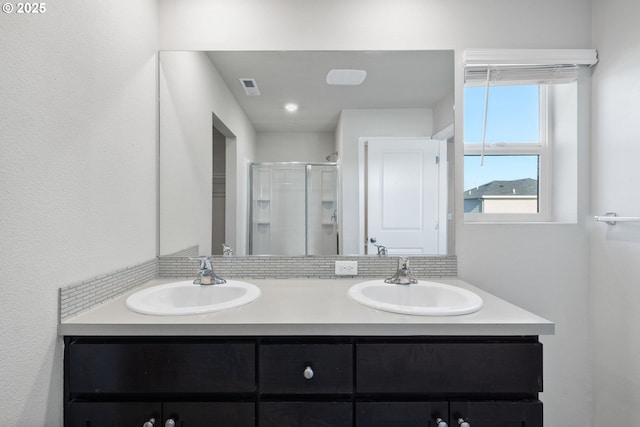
x=513, y=116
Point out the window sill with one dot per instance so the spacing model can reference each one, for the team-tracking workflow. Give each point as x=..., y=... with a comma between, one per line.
x=467, y=222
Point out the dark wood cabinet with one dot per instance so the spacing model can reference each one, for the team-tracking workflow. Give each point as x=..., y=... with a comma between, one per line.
x=522, y=413
x=306, y=368
x=498, y=413
x=206, y=414
x=127, y=366
x=110, y=414
x=183, y=414
x=450, y=369
x=307, y=414
x=400, y=414
x=303, y=381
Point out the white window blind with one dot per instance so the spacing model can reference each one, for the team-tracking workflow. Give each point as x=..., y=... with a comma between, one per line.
x=525, y=66
x=476, y=75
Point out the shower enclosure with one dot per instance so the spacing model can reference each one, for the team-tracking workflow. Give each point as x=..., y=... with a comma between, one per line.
x=294, y=209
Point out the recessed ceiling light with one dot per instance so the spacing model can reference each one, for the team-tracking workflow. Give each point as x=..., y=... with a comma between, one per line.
x=346, y=77
x=291, y=107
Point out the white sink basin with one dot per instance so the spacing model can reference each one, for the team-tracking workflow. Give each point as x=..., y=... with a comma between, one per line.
x=181, y=298
x=423, y=298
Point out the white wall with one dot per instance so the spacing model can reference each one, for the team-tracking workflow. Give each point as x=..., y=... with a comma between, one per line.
x=443, y=113
x=294, y=146
x=544, y=268
x=191, y=90
x=77, y=176
x=615, y=270
x=372, y=24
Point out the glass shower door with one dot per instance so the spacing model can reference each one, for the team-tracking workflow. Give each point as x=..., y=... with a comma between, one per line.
x=278, y=209
x=293, y=209
x=322, y=210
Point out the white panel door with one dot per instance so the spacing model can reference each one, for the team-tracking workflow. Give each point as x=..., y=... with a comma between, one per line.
x=403, y=195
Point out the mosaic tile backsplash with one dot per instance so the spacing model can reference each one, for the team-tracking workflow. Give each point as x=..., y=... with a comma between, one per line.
x=275, y=267
x=79, y=297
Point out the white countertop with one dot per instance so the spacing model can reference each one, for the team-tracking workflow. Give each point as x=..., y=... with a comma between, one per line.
x=307, y=307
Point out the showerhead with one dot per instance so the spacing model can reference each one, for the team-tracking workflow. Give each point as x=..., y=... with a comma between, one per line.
x=332, y=157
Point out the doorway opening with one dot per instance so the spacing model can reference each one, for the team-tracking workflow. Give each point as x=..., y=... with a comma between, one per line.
x=218, y=217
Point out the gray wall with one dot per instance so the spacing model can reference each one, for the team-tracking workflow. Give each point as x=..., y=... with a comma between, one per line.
x=77, y=176
x=615, y=250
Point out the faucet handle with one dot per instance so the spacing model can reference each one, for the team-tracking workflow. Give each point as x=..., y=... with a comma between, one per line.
x=206, y=275
x=205, y=261
x=403, y=274
x=382, y=250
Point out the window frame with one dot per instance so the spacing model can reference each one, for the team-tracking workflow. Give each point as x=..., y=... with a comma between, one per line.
x=542, y=149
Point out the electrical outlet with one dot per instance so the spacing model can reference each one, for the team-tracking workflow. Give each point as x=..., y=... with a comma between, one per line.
x=346, y=268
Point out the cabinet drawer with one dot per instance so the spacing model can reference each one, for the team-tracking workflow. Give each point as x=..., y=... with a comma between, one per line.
x=306, y=414
x=400, y=414
x=306, y=368
x=452, y=368
x=158, y=367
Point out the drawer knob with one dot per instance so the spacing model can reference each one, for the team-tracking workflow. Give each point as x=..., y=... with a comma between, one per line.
x=308, y=373
x=170, y=423
x=149, y=423
x=441, y=423
x=463, y=423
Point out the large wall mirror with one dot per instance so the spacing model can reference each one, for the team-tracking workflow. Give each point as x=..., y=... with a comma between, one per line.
x=349, y=147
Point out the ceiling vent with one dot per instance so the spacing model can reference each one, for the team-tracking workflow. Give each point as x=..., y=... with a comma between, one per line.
x=346, y=77
x=250, y=87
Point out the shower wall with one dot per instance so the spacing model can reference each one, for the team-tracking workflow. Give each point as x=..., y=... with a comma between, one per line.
x=294, y=209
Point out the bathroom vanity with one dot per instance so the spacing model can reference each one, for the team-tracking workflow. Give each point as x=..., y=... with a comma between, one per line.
x=303, y=354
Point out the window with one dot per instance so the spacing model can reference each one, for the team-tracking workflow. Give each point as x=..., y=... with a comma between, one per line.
x=506, y=152
x=521, y=128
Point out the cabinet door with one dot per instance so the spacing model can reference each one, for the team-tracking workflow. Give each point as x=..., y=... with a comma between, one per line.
x=498, y=414
x=206, y=414
x=305, y=414
x=110, y=414
x=400, y=414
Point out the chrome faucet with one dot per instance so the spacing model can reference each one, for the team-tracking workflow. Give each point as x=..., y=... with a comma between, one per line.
x=403, y=274
x=226, y=250
x=382, y=250
x=206, y=275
